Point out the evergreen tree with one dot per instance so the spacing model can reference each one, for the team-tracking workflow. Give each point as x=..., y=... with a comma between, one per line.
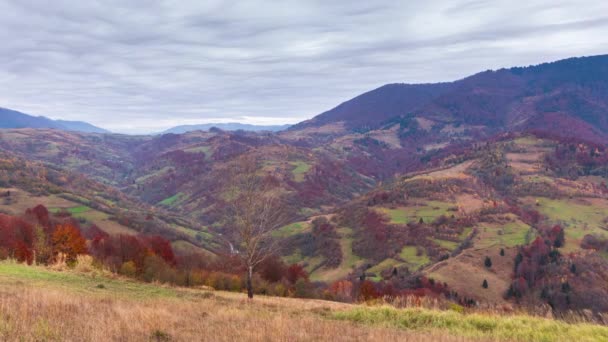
x=488, y=262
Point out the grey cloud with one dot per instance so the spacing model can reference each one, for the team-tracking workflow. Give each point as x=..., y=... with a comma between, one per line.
x=142, y=65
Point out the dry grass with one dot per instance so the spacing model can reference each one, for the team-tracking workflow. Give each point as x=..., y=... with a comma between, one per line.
x=37, y=304
x=62, y=309
x=33, y=314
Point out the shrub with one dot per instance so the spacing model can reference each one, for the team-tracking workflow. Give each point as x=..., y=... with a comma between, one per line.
x=128, y=269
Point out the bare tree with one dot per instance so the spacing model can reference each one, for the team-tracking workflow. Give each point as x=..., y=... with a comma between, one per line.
x=256, y=211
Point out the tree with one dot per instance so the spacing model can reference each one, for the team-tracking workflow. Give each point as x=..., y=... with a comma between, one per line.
x=484, y=284
x=256, y=212
x=272, y=269
x=367, y=291
x=488, y=262
x=296, y=272
x=558, y=235
x=68, y=240
x=42, y=249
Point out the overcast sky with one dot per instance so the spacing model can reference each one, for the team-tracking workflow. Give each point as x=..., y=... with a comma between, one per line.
x=139, y=66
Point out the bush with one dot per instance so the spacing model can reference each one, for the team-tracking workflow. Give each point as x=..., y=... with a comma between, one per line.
x=128, y=269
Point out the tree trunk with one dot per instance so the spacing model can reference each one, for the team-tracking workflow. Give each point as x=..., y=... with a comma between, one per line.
x=249, y=283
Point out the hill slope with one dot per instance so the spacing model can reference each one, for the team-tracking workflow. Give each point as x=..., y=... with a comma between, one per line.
x=550, y=97
x=90, y=306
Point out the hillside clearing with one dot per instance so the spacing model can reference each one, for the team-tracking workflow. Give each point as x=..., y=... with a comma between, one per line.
x=429, y=211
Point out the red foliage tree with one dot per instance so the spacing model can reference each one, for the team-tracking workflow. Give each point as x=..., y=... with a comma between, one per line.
x=41, y=215
x=161, y=247
x=16, y=238
x=295, y=272
x=367, y=291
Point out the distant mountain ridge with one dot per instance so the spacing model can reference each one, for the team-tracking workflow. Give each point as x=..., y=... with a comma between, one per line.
x=14, y=119
x=227, y=126
x=557, y=97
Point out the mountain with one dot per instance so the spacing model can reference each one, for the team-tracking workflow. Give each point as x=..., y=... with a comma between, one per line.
x=567, y=97
x=400, y=185
x=228, y=126
x=79, y=126
x=14, y=119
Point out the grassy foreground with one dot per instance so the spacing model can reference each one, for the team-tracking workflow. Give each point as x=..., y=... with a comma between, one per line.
x=37, y=304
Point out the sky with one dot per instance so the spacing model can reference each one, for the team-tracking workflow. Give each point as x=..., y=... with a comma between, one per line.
x=144, y=66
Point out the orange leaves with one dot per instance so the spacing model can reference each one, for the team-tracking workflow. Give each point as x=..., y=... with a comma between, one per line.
x=342, y=290
x=66, y=239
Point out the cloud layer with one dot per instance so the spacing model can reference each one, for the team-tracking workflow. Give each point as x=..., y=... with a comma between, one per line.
x=139, y=66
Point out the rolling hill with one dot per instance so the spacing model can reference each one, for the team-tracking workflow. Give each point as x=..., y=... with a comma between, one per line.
x=14, y=119
x=226, y=126
x=549, y=97
x=412, y=186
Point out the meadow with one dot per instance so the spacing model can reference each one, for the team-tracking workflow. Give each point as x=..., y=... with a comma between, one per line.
x=40, y=304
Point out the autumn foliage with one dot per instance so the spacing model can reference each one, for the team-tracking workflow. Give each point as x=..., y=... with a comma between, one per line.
x=68, y=241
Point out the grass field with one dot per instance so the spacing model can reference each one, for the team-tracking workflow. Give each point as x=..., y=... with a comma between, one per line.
x=509, y=234
x=300, y=169
x=170, y=200
x=37, y=304
x=408, y=253
x=153, y=174
x=449, y=245
x=579, y=217
x=515, y=328
x=292, y=229
x=349, y=259
x=429, y=211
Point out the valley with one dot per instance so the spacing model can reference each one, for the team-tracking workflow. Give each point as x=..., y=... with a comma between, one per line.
x=487, y=193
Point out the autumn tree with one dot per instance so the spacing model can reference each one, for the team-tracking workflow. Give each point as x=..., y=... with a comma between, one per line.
x=296, y=272
x=256, y=211
x=367, y=291
x=67, y=240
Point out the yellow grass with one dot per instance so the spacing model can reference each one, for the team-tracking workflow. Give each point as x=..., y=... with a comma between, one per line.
x=37, y=304
x=54, y=310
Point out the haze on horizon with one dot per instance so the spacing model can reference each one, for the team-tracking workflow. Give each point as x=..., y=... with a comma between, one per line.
x=141, y=66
